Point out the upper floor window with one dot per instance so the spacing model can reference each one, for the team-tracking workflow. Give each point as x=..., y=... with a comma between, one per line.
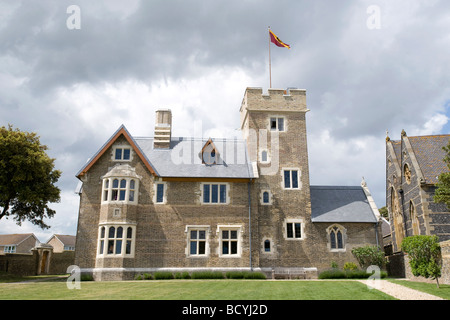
x=119, y=189
x=210, y=154
x=265, y=197
x=291, y=178
x=122, y=154
x=293, y=229
x=160, y=192
x=213, y=193
x=9, y=249
x=277, y=124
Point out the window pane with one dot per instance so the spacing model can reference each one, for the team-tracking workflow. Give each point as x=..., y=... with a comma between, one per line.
x=193, y=247
x=264, y=156
x=332, y=240
x=294, y=179
x=114, y=195
x=126, y=154
x=119, y=232
x=289, y=230
x=265, y=197
x=105, y=195
x=287, y=178
x=160, y=193
x=233, y=234
x=206, y=193
x=131, y=197
x=115, y=183
x=101, y=246
x=339, y=240
x=112, y=232
x=110, y=246
x=280, y=124
x=128, y=247
x=118, y=154
x=123, y=183
x=202, y=234
x=132, y=183
x=224, y=247
x=102, y=232
x=106, y=183
x=118, y=246
x=122, y=195
x=267, y=246
x=233, y=247
x=129, y=232
x=201, y=247
x=273, y=123
x=223, y=193
x=224, y=234
x=193, y=234
x=214, y=193
x=298, y=230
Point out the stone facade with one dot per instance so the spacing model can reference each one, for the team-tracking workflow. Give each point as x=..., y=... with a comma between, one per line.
x=141, y=213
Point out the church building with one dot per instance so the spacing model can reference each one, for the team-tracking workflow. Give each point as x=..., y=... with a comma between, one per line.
x=165, y=203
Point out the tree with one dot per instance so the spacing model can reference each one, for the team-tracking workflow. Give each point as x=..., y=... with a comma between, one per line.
x=27, y=178
x=384, y=212
x=442, y=194
x=369, y=255
x=424, y=254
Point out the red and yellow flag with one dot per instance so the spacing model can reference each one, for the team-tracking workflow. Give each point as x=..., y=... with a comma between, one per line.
x=274, y=39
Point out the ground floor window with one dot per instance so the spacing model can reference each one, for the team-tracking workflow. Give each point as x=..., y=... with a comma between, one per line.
x=293, y=229
x=116, y=240
x=198, y=238
x=230, y=241
x=336, y=237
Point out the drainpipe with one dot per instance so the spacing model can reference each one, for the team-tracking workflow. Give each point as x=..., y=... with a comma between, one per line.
x=250, y=224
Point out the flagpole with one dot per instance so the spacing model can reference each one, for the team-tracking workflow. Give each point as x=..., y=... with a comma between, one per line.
x=270, y=64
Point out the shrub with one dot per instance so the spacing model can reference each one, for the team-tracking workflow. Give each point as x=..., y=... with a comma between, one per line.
x=424, y=256
x=184, y=275
x=163, y=275
x=255, y=275
x=353, y=274
x=207, y=275
x=349, y=266
x=369, y=255
x=245, y=275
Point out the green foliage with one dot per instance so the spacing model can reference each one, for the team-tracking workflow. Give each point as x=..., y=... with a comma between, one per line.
x=369, y=255
x=384, y=212
x=442, y=194
x=27, y=178
x=349, y=274
x=424, y=254
x=350, y=266
x=163, y=275
x=245, y=275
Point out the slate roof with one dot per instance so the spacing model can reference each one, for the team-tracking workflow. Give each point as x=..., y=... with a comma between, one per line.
x=183, y=158
x=430, y=155
x=340, y=204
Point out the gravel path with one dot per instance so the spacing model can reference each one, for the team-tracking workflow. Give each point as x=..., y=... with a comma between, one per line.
x=399, y=291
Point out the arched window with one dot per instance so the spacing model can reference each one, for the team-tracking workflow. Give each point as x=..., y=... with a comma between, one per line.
x=121, y=183
x=267, y=246
x=336, y=235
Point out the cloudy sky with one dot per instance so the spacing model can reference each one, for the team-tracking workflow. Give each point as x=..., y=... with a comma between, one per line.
x=74, y=76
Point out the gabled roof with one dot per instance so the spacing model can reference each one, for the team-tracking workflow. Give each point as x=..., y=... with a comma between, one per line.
x=340, y=204
x=122, y=131
x=15, y=239
x=66, y=240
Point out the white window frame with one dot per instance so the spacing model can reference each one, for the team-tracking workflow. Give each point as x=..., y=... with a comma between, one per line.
x=277, y=117
x=261, y=198
x=207, y=230
x=238, y=229
x=103, y=249
x=10, y=249
x=123, y=147
x=299, y=180
x=293, y=222
x=227, y=193
x=155, y=192
x=107, y=190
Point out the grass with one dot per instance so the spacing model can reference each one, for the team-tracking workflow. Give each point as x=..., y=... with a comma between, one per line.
x=443, y=291
x=193, y=290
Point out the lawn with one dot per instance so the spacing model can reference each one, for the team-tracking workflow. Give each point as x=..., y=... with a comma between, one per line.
x=443, y=291
x=193, y=290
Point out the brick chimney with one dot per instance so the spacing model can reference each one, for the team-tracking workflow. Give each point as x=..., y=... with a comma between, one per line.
x=163, y=129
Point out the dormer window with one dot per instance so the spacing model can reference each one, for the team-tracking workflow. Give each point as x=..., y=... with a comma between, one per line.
x=209, y=154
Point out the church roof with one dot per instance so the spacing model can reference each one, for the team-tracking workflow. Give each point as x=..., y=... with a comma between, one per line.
x=340, y=204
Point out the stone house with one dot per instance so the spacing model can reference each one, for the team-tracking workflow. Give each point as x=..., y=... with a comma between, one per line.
x=17, y=243
x=188, y=204
x=413, y=165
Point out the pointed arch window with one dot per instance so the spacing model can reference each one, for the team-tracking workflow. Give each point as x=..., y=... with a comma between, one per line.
x=336, y=236
x=209, y=154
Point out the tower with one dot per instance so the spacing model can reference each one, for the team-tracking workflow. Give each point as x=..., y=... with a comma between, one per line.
x=274, y=126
